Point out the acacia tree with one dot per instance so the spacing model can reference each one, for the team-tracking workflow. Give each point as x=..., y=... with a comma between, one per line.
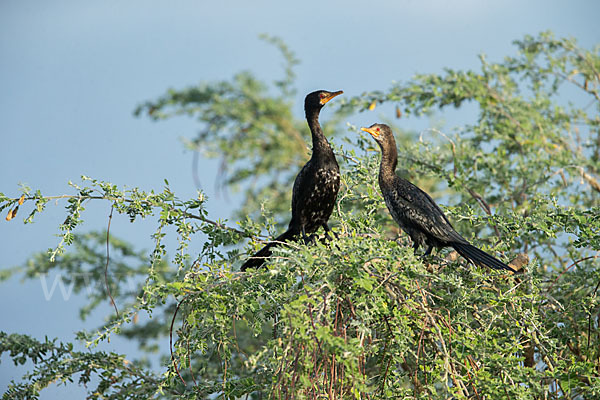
x=360, y=316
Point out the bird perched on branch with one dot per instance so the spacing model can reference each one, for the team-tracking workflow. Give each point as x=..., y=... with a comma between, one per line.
x=316, y=186
x=415, y=211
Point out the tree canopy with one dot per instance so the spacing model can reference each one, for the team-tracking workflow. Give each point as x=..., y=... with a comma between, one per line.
x=359, y=316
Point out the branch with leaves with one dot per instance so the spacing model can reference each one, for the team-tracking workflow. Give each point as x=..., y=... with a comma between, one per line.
x=359, y=316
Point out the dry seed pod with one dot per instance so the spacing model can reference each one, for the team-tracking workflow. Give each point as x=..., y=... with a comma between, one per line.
x=12, y=213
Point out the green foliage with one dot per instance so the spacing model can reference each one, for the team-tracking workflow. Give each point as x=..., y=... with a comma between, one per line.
x=359, y=316
x=59, y=363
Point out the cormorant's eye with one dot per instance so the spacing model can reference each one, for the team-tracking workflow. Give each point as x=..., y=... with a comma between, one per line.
x=377, y=129
x=322, y=95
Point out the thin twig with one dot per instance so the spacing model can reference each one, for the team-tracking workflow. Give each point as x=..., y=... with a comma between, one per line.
x=112, y=300
x=189, y=354
x=171, y=339
x=568, y=268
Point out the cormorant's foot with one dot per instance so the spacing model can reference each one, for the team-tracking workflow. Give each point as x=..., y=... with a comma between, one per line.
x=431, y=257
x=311, y=239
x=328, y=240
x=432, y=262
x=428, y=251
x=330, y=235
x=426, y=258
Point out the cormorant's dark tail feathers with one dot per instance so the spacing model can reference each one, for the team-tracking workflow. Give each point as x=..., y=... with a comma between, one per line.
x=259, y=258
x=479, y=257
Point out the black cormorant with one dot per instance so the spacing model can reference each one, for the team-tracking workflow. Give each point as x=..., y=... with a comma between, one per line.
x=316, y=186
x=415, y=211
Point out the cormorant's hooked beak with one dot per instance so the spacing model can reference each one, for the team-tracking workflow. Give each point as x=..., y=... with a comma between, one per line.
x=372, y=132
x=330, y=96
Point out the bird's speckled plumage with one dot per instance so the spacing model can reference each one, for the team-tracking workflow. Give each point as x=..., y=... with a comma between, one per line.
x=415, y=211
x=316, y=186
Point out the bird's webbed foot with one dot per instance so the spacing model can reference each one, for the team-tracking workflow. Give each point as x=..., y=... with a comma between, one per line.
x=432, y=262
x=426, y=255
x=308, y=239
x=415, y=247
x=329, y=234
x=428, y=251
x=417, y=244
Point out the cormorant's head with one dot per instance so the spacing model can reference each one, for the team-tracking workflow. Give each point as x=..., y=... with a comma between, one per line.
x=318, y=99
x=382, y=135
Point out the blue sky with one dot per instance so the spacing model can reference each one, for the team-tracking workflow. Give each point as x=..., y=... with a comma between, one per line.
x=72, y=72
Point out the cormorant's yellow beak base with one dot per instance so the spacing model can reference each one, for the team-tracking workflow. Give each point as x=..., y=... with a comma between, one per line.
x=372, y=132
x=330, y=96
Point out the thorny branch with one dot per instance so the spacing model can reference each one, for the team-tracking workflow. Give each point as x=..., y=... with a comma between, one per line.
x=146, y=202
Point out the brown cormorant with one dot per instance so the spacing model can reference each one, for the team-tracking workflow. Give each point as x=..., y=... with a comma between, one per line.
x=316, y=186
x=415, y=211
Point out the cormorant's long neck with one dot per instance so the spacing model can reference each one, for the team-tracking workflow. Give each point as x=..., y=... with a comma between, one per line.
x=389, y=161
x=321, y=146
